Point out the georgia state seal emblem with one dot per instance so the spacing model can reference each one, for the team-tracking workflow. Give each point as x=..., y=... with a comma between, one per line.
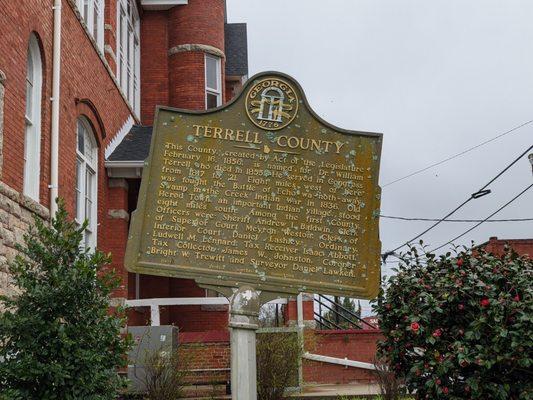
x=271, y=103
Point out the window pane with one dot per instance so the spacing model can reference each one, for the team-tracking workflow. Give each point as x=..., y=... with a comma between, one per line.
x=211, y=73
x=29, y=86
x=81, y=137
x=89, y=177
x=212, y=100
x=96, y=19
x=79, y=194
x=89, y=148
x=85, y=10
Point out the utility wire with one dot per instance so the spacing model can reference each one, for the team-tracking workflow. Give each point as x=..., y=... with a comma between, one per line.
x=491, y=215
x=458, y=154
x=479, y=193
x=456, y=220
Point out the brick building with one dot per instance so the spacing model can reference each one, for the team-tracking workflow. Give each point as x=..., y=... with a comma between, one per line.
x=521, y=246
x=117, y=60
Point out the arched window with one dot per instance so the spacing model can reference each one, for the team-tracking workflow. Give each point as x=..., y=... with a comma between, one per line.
x=32, y=139
x=86, y=180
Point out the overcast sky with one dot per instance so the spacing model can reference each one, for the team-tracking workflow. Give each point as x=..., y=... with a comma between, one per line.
x=435, y=77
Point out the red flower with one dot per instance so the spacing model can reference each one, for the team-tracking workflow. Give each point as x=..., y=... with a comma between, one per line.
x=415, y=326
x=484, y=302
x=445, y=390
x=516, y=298
x=461, y=306
x=459, y=262
x=437, y=333
x=438, y=381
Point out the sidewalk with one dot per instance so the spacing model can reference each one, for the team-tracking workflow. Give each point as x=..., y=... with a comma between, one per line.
x=309, y=391
x=320, y=391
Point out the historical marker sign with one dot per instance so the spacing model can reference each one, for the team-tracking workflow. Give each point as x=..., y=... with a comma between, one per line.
x=260, y=192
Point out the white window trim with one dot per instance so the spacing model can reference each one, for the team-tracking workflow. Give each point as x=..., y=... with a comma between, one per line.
x=32, y=138
x=89, y=19
x=214, y=91
x=129, y=23
x=93, y=166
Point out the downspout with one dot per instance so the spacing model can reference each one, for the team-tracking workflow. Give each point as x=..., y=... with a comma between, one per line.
x=56, y=69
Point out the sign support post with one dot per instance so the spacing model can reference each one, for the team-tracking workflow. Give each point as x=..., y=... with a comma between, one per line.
x=243, y=322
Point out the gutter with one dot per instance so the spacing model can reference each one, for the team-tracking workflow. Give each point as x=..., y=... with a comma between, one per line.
x=56, y=80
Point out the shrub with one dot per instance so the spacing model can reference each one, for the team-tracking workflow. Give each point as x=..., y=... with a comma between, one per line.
x=58, y=338
x=459, y=327
x=165, y=374
x=278, y=355
x=390, y=386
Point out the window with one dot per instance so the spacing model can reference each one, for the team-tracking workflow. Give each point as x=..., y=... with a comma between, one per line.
x=92, y=12
x=128, y=51
x=86, y=175
x=213, y=82
x=32, y=139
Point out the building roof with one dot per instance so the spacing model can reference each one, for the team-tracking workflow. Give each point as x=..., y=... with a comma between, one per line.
x=135, y=146
x=236, y=43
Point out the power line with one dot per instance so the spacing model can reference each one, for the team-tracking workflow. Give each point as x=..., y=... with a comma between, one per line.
x=491, y=215
x=455, y=220
x=458, y=154
x=481, y=192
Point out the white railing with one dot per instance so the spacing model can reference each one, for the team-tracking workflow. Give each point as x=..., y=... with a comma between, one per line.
x=155, y=303
x=339, y=361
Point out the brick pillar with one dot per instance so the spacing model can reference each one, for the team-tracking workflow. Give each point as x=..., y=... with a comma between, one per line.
x=116, y=232
x=291, y=311
x=193, y=31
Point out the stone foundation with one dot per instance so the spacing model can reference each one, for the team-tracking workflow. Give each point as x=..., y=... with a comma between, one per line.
x=16, y=217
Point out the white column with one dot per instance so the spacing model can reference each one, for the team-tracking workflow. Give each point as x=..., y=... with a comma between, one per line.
x=243, y=323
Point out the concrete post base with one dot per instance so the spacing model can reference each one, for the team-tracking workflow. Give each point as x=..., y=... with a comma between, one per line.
x=243, y=323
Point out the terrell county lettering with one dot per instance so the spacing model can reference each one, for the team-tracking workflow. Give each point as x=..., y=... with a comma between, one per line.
x=282, y=141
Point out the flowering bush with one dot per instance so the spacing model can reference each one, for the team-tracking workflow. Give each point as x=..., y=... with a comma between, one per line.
x=460, y=327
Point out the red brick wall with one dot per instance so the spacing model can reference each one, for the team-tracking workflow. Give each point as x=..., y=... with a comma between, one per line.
x=357, y=345
x=290, y=311
x=521, y=246
x=208, y=354
x=83, y=76
x=154, y=63
x=200, y=22
x=178, y=79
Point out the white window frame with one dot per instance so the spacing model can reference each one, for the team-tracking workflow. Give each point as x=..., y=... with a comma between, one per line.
x=87, y=190
x=129, y=52
x=93, y=19
x=209, y=90
x=32, y=116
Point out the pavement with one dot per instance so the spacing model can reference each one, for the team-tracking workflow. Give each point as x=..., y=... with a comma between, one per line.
x=309, y=392
x=322, y=391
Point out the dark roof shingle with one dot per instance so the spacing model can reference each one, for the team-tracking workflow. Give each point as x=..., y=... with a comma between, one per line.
x=135, y=146
x=236, y=43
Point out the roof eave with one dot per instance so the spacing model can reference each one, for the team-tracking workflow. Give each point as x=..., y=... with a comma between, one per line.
x=124, y=169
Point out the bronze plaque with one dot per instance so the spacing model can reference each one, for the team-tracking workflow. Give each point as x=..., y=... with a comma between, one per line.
x=262, y=192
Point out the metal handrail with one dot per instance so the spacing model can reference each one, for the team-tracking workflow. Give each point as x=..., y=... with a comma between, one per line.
x=345, y=309
x=338, y=314
x=328, y=321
